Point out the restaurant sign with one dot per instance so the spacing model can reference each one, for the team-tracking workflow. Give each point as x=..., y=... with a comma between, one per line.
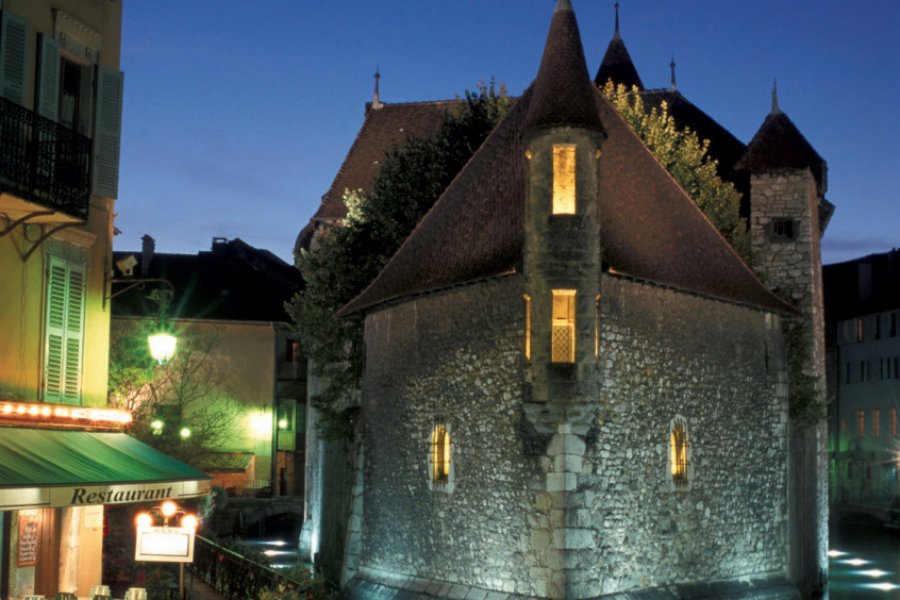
x=59, y=496
x=165, y=544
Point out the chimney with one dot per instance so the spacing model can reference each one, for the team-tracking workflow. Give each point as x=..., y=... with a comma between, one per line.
x=148, y=245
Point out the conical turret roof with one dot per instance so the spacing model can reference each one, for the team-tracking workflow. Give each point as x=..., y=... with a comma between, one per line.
x=617, y=65
x=563, y=94
x=779, y=145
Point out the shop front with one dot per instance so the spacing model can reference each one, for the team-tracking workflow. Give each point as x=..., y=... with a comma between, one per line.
x=54, y=484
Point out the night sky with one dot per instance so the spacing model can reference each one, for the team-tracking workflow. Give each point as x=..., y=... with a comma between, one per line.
x=238, y=114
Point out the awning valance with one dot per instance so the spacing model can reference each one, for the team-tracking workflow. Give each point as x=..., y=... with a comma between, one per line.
x=43, y=468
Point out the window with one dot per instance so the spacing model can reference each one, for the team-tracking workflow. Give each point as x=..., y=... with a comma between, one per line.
x=527, y=327
x=861, y=423
x=876, y=423
x=893, y=422
x=564, y=179
x=440, y=455
x=678, y=453
x=843, y=425
x=782, y=230
x=292, y=351
x=64, y=318
x=563, y=327
x=597, y=326
x=859, y=330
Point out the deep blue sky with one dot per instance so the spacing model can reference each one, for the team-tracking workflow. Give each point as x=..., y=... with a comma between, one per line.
x=238, y=115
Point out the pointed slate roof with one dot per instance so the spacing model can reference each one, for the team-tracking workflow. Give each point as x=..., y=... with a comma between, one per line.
x=779, y=145
x=617, y=65
x=563, y=68
x=650, y=228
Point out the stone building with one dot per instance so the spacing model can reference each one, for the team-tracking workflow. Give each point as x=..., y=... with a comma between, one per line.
x=574, y=387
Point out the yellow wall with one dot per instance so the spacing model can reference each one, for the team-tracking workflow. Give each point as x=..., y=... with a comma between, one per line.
x=22, y=285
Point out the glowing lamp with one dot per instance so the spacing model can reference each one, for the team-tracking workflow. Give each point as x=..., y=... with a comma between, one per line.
x=185, y=433
x=168, y=508
x=189, y=521
x=162, y=347
x=157, y=426
x=144, y=520
x=282, y=424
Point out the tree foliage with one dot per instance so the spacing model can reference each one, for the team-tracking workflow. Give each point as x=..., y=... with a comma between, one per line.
x=687, y=158
x=409, y=181
x=189, y=391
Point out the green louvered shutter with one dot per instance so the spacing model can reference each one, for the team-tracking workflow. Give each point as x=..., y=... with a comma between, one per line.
x=107, y=131
x=54, y=370
x=48, y=77
x=65, y=331
x=13, y=38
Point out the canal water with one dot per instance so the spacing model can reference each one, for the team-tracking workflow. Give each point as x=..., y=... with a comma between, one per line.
x=864, y=562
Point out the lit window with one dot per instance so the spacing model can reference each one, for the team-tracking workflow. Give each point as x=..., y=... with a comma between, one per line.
x=876, y=423
x=859, y=330
x=563, y=330
x=440, y=455
x=861, y=423
x=894, y=422
x=678, y=454
x=527, y=327
x=564, y=179
x=597, y=326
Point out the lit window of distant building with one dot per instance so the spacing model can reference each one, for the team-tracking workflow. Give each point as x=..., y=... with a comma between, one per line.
x=564, y=179
x=861, y=423
x=859, y=330
x=440, y=455
x=527, y=327
x=876, y=423
x=679, y=454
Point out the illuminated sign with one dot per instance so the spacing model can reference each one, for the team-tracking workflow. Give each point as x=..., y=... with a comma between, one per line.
x=165, y=544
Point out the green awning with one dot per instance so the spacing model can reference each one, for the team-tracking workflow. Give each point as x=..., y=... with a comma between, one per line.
x=41, y=468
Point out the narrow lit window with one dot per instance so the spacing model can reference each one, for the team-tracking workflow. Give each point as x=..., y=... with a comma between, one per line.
x=597, y=326
x=563, y=327
x=678, y=453
x=861, y=423
x=527, y=327
x=893, y=422
x=440, y=455
x=859, y=330
x=564, y=179
x=876, y=423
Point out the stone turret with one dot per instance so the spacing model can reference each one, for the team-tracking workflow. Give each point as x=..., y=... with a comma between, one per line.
x=562, y=135
x=788, y=180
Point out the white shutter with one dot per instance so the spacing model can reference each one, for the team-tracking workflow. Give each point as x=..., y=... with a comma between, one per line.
x=65, y=331
x=13, y=38
x=107, y=132
x=47, y=103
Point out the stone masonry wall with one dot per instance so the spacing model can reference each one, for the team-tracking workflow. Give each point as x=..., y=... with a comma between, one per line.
x=666, y=354
x=456, y=358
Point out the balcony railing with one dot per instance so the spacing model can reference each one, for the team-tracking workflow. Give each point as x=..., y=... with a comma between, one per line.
x=43, y=161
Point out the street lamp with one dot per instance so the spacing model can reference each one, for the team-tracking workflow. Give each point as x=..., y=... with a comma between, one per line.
x=162, y=346
x=166, y=543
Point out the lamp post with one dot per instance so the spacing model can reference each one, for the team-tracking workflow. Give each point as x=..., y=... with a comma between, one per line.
x=166, y=543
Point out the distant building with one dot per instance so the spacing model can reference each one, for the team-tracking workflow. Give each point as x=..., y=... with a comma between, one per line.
x=862, y=308
x=573, y=386
x=234, y=295
x=63, y=453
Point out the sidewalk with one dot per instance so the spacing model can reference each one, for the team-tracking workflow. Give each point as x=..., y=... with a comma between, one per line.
x=199, y=590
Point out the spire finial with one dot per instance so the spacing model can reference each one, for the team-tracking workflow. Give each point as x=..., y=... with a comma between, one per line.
x=563, y=5
x=672, y=67
x=376, y=101
x=616, y=33
x=775, y=108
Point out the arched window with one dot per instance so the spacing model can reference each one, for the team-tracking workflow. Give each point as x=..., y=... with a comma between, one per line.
x=679, y=463
x=440, y=455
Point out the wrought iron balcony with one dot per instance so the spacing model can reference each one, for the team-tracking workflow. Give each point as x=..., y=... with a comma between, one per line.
x=43, y=162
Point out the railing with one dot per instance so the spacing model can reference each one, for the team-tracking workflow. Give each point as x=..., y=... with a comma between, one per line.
x=43, y=161
x=233, y=575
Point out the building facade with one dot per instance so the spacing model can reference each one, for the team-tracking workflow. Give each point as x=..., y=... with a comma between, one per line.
x=64, y=454
x=573, y=386
x=863, y=310
x=228, y=309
